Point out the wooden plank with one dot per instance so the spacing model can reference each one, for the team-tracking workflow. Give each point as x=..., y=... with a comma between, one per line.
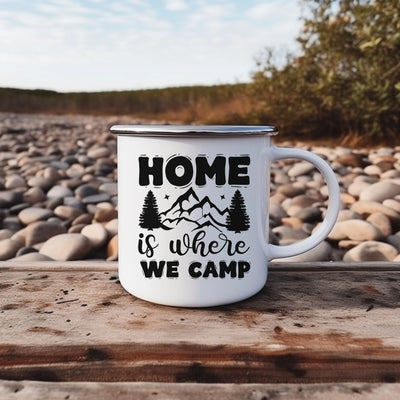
x=12, y=390
x=310, y=326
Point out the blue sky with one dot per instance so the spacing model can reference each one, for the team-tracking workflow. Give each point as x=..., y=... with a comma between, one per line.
x=89, y=45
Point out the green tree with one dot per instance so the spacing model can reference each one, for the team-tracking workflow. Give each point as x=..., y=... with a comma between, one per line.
x=346, y=79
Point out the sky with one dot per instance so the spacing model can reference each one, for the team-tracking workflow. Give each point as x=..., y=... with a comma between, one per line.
x=96, y=45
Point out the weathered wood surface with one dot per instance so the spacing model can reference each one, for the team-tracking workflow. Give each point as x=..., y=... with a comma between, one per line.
x=12, y=390
x=311, y=323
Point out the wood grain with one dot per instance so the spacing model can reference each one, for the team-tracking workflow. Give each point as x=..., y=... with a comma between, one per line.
x=11, y=390
x=74, y=322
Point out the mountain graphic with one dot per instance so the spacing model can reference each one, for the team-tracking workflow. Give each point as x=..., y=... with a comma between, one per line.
x=188, y=208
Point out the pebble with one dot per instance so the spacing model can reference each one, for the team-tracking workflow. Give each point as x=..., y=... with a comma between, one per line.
x=41, y=231
x=96, y=198
x=394, y=240
x=382, y=222
x=14, y=181
x=393, y=204
x=5, y=234
x=348, y=214
x=309, y=214
x=300, y=168
x=39, y=181
x=351, y=160
x=34, y=195
x=12, y=223
x=112, y=249
x=98, y=152
x=9, y=198
x=371, y=251
x=67, y=212
x=77, y=228
x=25, y=250
x=82, y=219
x=380, y=191
x=291, y=189
x=96, y=233
x=371, y=207
x=9, y=248
x=34, y=256
x=67, y=247
x=112, y=227
x=111, y=188
x=105, y=214
x=33, y=214
x=85, y=191
x=354, y=229
x=59, y=191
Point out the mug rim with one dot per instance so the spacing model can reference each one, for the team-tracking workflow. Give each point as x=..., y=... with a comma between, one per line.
x=156, y=130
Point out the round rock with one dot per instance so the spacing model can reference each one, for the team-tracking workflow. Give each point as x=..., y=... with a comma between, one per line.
x=9, y=198
x=110, y=188
x=34, y=195
x=14, y=181
x=309, y=214
x=67, y=212
x=98, y=152
x=85, y=191
x=371, y=251
x=5, y=234
x=344, y=215
x=39, y=181
x=96, y=233
x=41, y=231
x=112, y=249
x=370, y=207
x=380, y=191
x=59, y=191
x=354, y=229
x=9, y=248
x=112, y=227
x=394, y=204
x=67, y=247
x=105, y=214
x=300, y=168
x=290, y=190
x=96, y=198
x=382, y=222
x=33, y=214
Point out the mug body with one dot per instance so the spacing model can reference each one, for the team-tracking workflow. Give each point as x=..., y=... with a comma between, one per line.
x=190, y=216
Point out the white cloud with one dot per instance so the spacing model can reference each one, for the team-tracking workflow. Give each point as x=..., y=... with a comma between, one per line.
x=265, y=10
x=176, y=5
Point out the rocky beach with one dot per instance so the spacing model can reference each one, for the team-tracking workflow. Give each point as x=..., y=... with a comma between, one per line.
x=59, y=199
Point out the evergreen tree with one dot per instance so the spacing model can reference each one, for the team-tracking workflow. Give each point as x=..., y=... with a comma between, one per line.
x=150, y=217
x=237, y=219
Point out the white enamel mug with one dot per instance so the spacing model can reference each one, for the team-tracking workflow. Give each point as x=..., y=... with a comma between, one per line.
x=193, y=211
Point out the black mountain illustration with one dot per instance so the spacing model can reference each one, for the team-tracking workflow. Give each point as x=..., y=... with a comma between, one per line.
x=179, y=201
x=190, y=209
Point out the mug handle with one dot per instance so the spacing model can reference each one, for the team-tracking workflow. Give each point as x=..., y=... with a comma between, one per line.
x=272, y=251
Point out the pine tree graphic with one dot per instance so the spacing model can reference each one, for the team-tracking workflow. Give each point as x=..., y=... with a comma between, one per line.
x=237, y=219
x=150, y=217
